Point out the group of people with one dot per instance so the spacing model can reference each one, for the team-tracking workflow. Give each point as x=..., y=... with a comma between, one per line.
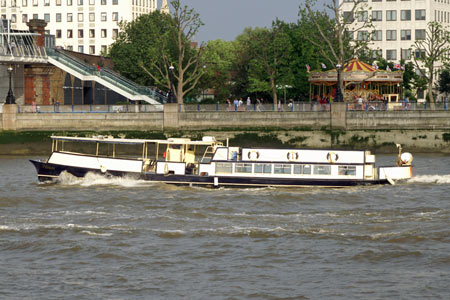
x=238, y=104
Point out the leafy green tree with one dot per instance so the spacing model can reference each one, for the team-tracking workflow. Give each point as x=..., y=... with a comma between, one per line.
x=444, y=82
x=430, y=51
x=219, y=58
x=138, y=41
x=334, y=36
x=268, y=50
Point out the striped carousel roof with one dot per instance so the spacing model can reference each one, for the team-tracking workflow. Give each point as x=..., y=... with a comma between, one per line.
x=356, y=65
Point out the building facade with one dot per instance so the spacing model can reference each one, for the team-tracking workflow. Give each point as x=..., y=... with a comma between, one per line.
x=397, y=24
x=86, y=26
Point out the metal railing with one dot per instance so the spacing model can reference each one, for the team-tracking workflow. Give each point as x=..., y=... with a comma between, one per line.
x=262, y=107
x=105, y=74
x=396, y=106
x=91, y=108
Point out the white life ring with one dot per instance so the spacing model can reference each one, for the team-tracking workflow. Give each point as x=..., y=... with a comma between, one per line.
x=292, y=155
x=332, y=157
x=253, y=155
x=103, y=169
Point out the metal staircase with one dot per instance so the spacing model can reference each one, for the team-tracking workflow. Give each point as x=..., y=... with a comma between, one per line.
x=107, y=78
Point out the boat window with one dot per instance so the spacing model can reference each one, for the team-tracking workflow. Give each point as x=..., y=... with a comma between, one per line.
x=243, y=168
x=263, y=168
x=172, y=146
x=282, y=169
x=307, y=169
x=322, y=170
x=347, y=170
x=224, y=168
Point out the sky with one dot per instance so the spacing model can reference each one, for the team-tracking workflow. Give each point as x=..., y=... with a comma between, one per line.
x=226, y=19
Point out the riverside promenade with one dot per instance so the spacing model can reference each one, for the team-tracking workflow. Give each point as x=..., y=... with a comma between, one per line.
x=427, y=130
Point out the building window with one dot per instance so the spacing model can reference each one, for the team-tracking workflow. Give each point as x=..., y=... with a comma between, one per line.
x=103, y=2
x=420, y=14
x=376, y=54
x=80, y=2
x=58, y=2
x=24, y=18
x=103, y=49
x=391, y=54
x=391, y=15
x=115, y=16
x=92, y=33
x=80, y=33
x=24, y=3
x=405, y=35
x=35, y=2
x=81, y=49
x=35, y=16
x=47, y=18
x=391, y=35
x=91, y=49
x=348, y=17
x=46, y=2
x=13, y=18
x=58, y=33
x=58, y=17
x=363, y=35
x=362, y=16
x=103, y=33
x=91, y=17
x=91, y=2
x=406, y=54
x=376, y=0
x=115, y=33
x=70, y=48
x=420, y=34
x=13, y=3
x=377, y=35
x=69, y=33
x=377, y=15
x=80, y=17
x=69, y=17
x=115, y=2
x=405, y=15
x=420, y=53
x=69, y=2
x=103, y=17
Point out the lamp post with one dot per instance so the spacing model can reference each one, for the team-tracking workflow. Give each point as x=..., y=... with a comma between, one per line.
x=171, y=98
x=10, y=99
x=339, y=96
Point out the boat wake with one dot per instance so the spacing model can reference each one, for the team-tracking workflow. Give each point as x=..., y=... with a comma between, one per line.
x=437, y=179
x=92, y=179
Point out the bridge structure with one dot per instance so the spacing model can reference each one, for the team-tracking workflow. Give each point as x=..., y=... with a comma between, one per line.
x=19, y=48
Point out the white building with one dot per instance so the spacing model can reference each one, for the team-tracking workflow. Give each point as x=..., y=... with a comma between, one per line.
x=399, y=23
x=87, y=26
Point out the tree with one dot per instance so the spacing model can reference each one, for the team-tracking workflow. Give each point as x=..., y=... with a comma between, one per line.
x=334, y=36
x=268, y=50
x=138, y=41
x=219, y=58
x=186, y=60
x=444, y=82
x=429, y=51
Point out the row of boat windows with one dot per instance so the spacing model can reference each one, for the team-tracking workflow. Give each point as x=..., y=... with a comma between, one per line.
x=288, y=169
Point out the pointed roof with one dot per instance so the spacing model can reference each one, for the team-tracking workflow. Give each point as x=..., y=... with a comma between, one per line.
x=356, y=65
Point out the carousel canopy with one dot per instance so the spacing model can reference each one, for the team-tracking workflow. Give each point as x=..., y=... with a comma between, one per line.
x=356, y=71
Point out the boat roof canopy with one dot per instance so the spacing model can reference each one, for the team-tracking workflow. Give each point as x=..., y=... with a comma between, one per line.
x=111, y=140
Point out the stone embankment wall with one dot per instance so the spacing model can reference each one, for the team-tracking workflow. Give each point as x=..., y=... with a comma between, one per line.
x=416, y=130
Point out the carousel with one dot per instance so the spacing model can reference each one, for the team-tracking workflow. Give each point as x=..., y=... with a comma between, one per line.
x=360, y=81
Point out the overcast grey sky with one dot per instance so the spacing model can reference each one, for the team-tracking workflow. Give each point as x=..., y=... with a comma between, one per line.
x=225, y=19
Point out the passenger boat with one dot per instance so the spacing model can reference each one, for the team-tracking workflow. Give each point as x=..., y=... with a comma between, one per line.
x=210, y=163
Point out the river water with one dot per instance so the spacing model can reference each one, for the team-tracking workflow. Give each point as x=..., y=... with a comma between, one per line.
x=121, y=239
